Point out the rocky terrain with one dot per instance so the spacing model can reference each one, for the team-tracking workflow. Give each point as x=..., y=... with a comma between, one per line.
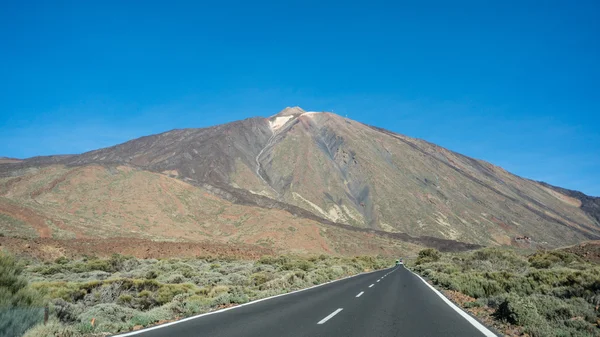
x=254, y=180
x=589, y=251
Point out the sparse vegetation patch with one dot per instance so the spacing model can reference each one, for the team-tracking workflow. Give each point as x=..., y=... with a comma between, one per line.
x=549, y=293
x=92, y=296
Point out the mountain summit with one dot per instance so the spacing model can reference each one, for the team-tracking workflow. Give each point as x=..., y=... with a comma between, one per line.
x=290, y=111
x=343, y=171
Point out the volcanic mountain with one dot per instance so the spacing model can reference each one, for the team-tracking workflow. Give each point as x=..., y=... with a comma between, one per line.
x=336, y=171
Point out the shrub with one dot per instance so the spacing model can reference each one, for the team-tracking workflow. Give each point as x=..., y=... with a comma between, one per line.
x=266, y=260
x=297, y=265
x=151, y=274
x=167, y=291
x=175, y=279
x=260, y=278
x=428, y=255
x=236, y=279
x=15, y=321
x=62, y=260
x=142, y=319
x=218, y=290
x=125, y=299
x=19, y=303
x=96, y=265
x=305, y=265
x=117, y=262
x=582, y=308
x=518, y=310
x=546, y=259
x=236, y=296
x=53, y=328
x=14, y=288
x=108, y=316
x=49, y=270
x=271, y=260
x=64, y=311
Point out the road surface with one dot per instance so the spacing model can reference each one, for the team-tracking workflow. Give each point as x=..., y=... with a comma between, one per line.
x=390, y=302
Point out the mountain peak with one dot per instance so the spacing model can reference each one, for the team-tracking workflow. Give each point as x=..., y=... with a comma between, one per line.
x=290, y=111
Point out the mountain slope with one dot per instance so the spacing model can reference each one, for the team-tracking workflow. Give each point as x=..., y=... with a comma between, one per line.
x=95, y=202
x=366, y=176
x=351, y=173
x=591, y=205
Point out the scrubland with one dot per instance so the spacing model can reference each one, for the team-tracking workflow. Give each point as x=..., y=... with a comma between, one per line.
x=95, y=297
x=546, y=293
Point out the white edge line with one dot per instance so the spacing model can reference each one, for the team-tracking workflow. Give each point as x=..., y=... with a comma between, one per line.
x=360, y=294
x=466, y=316
x=330, y=316
x=131, y=333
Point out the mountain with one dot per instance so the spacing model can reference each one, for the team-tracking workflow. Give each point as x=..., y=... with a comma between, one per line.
x=336, y=171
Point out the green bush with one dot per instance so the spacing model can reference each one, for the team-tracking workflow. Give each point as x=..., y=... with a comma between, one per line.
x=519, y=311
x=20, y=305
x=260, y=278
x=125, y=299
x=547, y=259
x=14, y=288
x=305, y=265
x=428, y=255
x=151, y=275
x=62, y=260
x=167, y=291
x=298, y=265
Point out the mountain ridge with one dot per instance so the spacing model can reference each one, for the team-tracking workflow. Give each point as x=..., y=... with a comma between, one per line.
x=355, y=174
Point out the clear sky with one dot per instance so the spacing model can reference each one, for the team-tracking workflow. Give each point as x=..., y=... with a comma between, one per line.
x=515, y=83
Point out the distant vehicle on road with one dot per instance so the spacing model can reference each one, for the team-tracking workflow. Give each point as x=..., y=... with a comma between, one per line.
x=399, y=262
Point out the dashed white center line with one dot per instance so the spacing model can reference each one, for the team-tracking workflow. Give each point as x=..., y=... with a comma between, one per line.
x=362, y=292
x=378, y=280
x=330, y=316
x=371, y=285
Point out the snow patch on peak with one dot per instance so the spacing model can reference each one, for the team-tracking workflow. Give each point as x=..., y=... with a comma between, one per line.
x=278, y=122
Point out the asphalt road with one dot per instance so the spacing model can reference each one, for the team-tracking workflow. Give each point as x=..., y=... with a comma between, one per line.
x=390, y=302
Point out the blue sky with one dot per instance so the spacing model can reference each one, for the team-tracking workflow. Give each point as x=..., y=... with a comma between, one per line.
x=515, y=83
